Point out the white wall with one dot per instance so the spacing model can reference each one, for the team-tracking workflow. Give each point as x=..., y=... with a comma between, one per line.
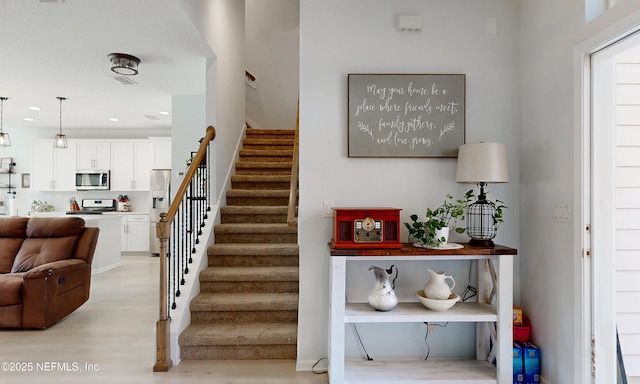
x=221, y=23
x=552, y=36
x=359, y=36
x=272, y=50
x=188, y=126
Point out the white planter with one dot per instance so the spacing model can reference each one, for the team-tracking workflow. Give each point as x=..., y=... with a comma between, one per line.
x=440, y=233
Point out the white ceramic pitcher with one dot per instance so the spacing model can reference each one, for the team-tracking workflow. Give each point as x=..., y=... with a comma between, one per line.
x=382, y=296
x=437, y=288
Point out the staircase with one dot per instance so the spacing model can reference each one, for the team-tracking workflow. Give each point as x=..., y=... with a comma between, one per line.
x=248, y=302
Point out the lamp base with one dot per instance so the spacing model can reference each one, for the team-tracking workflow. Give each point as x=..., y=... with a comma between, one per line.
x=482, y=243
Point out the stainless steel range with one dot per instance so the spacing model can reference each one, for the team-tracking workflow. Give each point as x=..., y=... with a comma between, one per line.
x=95, y=207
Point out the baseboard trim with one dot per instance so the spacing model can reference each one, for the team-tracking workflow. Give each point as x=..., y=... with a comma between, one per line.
x=320, y=365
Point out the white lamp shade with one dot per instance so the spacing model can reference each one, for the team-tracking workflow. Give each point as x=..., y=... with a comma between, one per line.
x=482, y=162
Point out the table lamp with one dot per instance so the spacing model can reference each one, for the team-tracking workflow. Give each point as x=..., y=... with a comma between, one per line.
x=482, y=163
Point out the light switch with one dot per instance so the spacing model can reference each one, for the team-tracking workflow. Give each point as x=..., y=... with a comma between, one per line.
x=327, y=208
x=492, y=25
x=411, y=23
x=561, y=212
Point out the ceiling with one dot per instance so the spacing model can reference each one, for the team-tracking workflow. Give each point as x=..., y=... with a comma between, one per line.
x=51, y=48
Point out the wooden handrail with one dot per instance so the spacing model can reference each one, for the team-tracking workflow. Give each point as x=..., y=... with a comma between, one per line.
x=292, y=217
x=249, y=75
x=163, y=231
x=197, y=159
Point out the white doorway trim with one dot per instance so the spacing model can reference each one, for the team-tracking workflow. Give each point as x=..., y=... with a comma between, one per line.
x=594, y=196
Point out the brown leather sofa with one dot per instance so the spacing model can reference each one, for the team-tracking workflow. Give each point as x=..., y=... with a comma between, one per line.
x=45, y=269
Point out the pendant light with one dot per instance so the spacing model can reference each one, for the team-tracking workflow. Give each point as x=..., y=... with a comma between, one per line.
x=60, y=140
x=5, y=141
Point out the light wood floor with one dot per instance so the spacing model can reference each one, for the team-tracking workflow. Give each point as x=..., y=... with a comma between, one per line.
x=110, y=339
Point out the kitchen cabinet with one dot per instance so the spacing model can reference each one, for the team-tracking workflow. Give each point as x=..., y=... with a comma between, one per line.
x=53, y=169
x=131, y=165
x=161, y=152
x=134, y=236
x=93, y=155
x=495, y=266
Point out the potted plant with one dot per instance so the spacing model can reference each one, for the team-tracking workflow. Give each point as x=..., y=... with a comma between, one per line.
x=434, y=231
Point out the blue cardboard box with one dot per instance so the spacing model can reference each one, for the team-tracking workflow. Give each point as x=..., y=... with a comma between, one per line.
x=531, y=359
x=518, y=364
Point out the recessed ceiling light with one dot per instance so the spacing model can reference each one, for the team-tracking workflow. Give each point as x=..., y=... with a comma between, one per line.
x=164, y=113
x=114, y=119
x=34, y=108
x=29, y=119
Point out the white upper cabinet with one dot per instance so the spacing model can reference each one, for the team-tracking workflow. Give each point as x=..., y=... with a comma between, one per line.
x=53, y=169
x=161, y=152
x=131, y=165
x=94, y=155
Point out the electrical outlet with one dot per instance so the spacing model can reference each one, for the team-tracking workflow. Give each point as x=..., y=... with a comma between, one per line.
x=327, y=208
x=429, y=327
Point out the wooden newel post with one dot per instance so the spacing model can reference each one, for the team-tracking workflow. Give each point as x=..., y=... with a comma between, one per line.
x=163, y=356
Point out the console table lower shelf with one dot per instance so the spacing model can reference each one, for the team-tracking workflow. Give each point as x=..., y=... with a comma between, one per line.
x=448, y=371
x=492, y=314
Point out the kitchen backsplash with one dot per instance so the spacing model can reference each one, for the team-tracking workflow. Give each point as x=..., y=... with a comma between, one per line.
x=139, y=201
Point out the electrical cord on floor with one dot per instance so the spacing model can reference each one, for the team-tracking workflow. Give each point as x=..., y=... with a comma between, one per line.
x=470, y=291
x=314, y=365
x=358, y=335
x=427, y=335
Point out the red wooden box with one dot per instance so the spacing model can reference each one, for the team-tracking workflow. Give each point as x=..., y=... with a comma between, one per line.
x=366, y=228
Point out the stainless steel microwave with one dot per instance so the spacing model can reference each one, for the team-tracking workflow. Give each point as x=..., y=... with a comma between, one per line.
x=87, y=180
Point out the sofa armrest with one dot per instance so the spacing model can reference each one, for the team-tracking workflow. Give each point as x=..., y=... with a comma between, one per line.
x=55, y=267
x=53, y=290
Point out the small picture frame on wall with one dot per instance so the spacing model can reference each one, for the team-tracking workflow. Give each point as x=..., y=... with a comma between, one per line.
x=26, y=180
x=5, y=164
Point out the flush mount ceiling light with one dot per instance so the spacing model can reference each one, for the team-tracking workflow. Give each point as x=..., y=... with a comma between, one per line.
x=124, y=64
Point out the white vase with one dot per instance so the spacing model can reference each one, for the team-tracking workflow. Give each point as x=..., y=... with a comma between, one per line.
x=440, y=233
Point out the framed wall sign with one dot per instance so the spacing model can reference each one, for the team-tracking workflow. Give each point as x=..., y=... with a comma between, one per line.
x=26, y=180
x=406, y=115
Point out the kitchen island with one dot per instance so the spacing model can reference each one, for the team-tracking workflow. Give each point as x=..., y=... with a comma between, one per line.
x=107, y=254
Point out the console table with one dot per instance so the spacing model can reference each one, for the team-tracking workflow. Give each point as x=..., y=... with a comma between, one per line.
x=493, y=318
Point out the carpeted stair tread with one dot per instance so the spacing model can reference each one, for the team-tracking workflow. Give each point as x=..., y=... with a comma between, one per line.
x=253, y=140
x=279, y=301
x=239, y=334
x=250, y=274
x=254, y=228
x=258, y=193
x=266, y=152
x=254, y=249
x=263, y=164
x=261, y=178
x=253, y=210
x=267, y=132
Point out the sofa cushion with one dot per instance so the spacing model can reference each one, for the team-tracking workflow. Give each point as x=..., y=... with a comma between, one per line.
x=12, y=232
x=48, y=240
x=11, y=288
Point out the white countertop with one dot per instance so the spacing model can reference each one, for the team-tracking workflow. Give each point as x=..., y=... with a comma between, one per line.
x=61, y=214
